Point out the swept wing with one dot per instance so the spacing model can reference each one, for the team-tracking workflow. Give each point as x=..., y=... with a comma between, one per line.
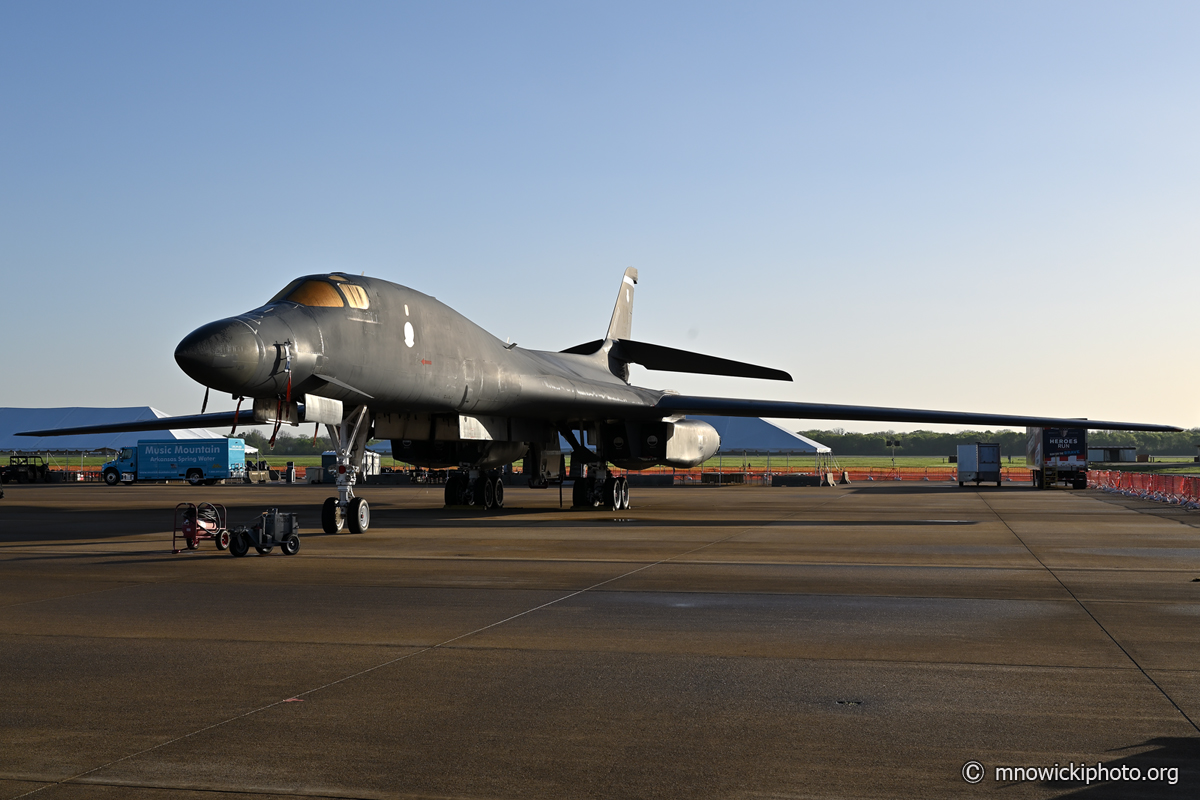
x=731, y=407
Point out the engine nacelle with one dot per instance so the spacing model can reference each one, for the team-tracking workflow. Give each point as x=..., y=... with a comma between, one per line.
x=682, y=443
x=690, y=443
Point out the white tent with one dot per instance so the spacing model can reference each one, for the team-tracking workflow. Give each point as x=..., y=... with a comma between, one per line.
x=754, y=436
x=13, y=420
x=751, y=436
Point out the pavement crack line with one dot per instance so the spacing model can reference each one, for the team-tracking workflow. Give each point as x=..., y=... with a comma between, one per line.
x=1088, y=611
x=130, y=585
x=416, y=653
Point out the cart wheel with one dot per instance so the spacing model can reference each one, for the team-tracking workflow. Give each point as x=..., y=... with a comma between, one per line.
x=239, y=545
x=265, y=550
x=192, y=543
x=291, y=545
x=222, y=538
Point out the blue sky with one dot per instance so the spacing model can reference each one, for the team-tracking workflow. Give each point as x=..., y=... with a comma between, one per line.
x=981, y=207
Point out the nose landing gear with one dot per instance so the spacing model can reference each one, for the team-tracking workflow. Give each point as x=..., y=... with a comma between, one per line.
x=346, y=510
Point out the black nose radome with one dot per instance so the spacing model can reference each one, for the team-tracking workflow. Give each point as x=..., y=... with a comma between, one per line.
x=224, y=355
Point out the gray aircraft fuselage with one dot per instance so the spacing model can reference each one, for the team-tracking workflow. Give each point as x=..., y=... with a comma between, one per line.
x=404, y=352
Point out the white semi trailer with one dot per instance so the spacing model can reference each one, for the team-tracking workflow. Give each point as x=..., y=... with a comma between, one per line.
x=1057, y=456
x=978, y=462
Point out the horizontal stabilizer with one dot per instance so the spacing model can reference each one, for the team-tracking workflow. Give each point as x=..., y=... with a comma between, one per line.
x=669, y=359
x=222, y=419
x=729, y=407
x=585, y=349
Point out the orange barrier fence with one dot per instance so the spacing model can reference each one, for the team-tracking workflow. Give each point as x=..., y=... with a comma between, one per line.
x=927, y=474
x=1183, y=490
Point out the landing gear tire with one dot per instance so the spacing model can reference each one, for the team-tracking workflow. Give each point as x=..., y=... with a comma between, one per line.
x=498, y=492
x=487, y=492
x=112, y=477
x=359, y=515
x=578, y=493
x=624, y=482
x=240, y=545
x=612, y=494
x=291, y=545
x=452, y=498
x=332, y=518
x=195, y=477
x=222, y=540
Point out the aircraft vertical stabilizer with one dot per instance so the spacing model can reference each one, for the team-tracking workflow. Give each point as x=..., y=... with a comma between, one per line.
x=622, y=318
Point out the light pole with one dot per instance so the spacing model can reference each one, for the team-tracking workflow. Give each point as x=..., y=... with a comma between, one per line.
x=893, y=443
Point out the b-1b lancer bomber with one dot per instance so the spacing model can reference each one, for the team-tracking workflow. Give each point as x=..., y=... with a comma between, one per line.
x=368, y=358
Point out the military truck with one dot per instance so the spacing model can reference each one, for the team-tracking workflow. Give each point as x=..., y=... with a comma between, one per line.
x=25, y=469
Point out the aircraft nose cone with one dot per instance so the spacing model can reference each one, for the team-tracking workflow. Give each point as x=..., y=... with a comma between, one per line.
x=224, y=355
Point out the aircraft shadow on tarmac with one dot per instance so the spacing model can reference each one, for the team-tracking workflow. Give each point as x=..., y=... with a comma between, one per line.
x=23, y=524
x=1180, y=752
x=634, y=522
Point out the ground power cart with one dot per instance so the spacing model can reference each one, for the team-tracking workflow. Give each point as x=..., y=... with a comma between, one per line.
x=270, y=529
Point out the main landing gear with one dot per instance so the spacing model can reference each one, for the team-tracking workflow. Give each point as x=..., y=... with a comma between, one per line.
x=475, y=488
x=601, y=489
x=346, y=510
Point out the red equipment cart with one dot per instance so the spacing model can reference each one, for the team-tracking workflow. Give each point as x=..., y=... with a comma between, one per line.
x=194, y=522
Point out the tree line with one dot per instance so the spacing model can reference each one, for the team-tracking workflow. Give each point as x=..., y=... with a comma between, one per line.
x=1012, y=443
x=286, y=444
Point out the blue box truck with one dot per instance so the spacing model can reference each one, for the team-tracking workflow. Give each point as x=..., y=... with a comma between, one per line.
x=193, y=460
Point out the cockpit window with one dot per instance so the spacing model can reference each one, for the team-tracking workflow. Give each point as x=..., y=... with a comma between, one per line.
x=356, y=296
x=315, y=293
x=285, y=292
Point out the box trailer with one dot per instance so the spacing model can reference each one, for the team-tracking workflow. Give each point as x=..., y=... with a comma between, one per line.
x=979, y=462
x=1057, y=456
x=193, y=460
